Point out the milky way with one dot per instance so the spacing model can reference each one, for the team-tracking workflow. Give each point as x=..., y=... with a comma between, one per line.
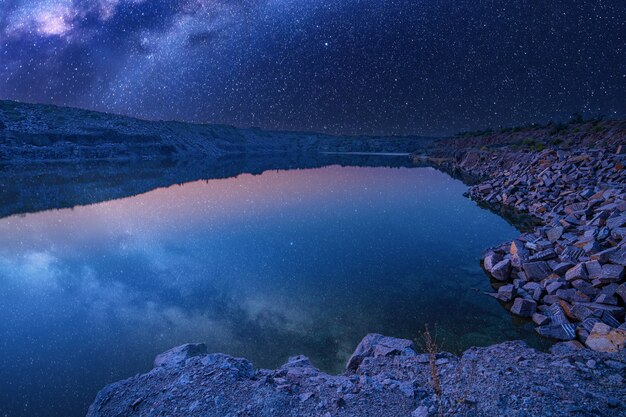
x=352, y=66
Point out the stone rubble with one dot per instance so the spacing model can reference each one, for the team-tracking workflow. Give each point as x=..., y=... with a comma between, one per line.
x=570, y=270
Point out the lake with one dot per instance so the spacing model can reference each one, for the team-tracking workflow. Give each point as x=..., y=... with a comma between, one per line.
x=290, y=261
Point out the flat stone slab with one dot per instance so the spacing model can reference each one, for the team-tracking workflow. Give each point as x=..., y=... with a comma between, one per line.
x=536, y=271
x=618, y=256
x=558, y=331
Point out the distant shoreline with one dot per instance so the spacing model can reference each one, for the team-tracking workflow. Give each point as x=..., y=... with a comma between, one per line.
x=369, y=153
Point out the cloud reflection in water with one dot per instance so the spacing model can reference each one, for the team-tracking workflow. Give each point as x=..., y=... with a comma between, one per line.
x=267, y=266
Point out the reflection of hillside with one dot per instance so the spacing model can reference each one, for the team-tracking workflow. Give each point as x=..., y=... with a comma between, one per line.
x=38, y=187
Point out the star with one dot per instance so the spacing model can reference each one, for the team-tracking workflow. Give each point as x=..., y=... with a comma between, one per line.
x=396, y=67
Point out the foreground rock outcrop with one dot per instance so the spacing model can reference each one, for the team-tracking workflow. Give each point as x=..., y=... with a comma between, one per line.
x=384, y=377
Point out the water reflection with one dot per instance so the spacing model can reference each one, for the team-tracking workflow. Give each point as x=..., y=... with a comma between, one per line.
x=37, y=187
x=266, y=266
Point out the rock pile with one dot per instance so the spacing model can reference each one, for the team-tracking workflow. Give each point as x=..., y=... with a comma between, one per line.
x=568, y=276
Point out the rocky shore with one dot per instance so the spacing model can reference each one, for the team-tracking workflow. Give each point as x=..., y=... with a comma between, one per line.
x=384, y=377
x=568, y=275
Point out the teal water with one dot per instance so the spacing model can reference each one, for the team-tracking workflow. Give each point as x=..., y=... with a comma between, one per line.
x=261, y=266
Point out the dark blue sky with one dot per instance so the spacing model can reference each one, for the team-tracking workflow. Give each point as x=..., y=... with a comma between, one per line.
x=352, y=66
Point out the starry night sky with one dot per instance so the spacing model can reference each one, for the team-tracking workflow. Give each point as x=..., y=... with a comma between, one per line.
x=353, y=66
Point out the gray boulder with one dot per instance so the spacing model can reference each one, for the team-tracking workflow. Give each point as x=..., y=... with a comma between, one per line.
x=506, y=293
x=524, y=308
x=577, y=272
x=611, y=273
x=621, y=291
x=375, y=345
x=555, y=233
x=536, y=271
x=490, y=260
x=502, y=270
x=178, y=355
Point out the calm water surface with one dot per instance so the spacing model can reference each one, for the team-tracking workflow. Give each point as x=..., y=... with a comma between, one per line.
x=266, y=266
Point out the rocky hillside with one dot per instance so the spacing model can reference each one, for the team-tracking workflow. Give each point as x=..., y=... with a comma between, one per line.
x=33, y=132
x=384, y=377
x=576, y=133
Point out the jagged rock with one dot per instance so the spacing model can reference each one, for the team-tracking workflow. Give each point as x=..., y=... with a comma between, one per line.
x=534, y=289
x=621, y=291
x=618, y=256
x=566, y=294
x=585, y=287
x=543, y=255
x=616, y=222
x=594, y=269
x=603, y=338
x=374, y=345
x=536, y=271
x=608, y=319
x=603, y=256
x=617, y=233
x=609, y=289
x=178, y=355
x=502, y=270
x=490, y=260
x=589, y=322
x=550, y=299
x=572, y=253
x=552, y=287
x=576, y=272
x=598, y=308
x=554, y=234
x=506, y=293
x=557, y=315
x=421, y=411
x=581, y=312
x=566, y=331
x=540, y=319
x=305, y=396
x=523, y=308
x=611, y=273
x=564, y=348
x=562, y=267
x=606, y=299
x=519, y=250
